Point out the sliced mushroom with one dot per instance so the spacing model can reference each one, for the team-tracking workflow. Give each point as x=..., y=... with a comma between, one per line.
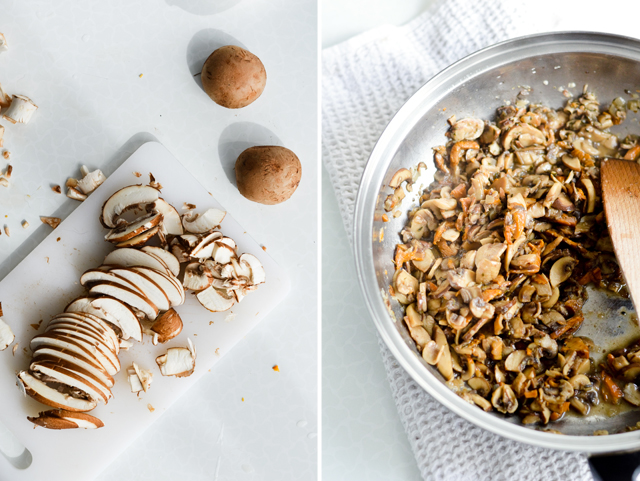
x=488, y=262
x=572, y=163
x=20, y=110
x=515, y=360
x=561, y=270
x=399, y=177
x=632, y=394
x=128, y=296
x=63, y=419
x=75, y=194
x=406, y=284
x=140, y=379
x=257, y=270
x=444, y=363
x=86, y=361
x=139, y=226
x=52, y=397
x=467, y=129
x=112, y=311
x=124, y=199
x=178, y=361
x=202, y=223
x=55, y=372
x=591, y=194
x=129, y=257
x=171, y=222
x=215, y=300
x=480, y=385
x=432, y=352
x=165, y=256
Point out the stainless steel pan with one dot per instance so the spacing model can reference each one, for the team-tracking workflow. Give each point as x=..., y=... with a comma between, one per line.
x=476, y=86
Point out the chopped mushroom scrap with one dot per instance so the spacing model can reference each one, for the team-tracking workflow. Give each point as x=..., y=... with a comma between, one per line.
x=493, y=263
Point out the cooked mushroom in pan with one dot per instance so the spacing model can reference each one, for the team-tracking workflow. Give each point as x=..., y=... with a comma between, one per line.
x=493, y=262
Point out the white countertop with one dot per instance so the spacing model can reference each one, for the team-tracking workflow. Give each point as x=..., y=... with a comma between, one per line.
x=109, y=76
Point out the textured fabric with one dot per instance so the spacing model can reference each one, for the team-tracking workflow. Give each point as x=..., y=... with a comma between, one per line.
x=364, y=82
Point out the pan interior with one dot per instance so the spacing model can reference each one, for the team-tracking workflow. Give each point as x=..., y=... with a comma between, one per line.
x=481, y=87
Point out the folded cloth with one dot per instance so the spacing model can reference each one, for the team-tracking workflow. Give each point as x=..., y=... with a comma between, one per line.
x=364, y=82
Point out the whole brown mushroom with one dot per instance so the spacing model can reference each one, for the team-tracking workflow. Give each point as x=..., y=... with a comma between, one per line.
x=233, y=77
x=268, y=174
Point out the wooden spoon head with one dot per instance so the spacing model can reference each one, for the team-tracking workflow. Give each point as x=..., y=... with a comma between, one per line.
x=621, y=197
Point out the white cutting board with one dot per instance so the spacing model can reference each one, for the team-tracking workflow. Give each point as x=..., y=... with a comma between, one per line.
x=46, y=280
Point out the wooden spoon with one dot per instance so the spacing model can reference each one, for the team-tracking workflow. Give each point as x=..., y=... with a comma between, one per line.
x=621, y=197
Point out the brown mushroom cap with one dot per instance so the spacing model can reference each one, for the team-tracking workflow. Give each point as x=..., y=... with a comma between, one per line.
x=268, y=174
x=233, y=77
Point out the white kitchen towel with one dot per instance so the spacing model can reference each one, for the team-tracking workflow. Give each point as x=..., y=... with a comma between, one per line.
x=364, y=82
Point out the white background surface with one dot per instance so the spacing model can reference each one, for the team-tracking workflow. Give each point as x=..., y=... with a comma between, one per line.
x=363, y=438
x=80, y=62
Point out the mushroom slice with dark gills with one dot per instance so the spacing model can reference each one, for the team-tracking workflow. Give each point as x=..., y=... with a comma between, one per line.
x=63, y=419
x=124, y=199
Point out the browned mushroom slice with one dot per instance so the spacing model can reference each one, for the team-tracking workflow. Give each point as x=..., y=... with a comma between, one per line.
x=561, y=270
x=504, y=399
x=125, y=198
x=39, y=391
x=203, y=247
x=444, y=364
x=63, y=419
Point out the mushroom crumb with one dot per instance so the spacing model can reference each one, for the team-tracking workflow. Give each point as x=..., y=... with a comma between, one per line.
x=51, y=221
x=25, y=224
x=7, y=231
x=150, y=408
x=6, y=154
x=494, y=260
x=276, y=368
x=57, y=189
x=137, y=174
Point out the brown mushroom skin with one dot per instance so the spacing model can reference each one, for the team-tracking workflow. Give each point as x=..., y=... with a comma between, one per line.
x=233, y=77
x=268, y=174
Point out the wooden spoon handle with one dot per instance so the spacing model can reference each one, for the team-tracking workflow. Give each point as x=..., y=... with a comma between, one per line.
x=621, y=198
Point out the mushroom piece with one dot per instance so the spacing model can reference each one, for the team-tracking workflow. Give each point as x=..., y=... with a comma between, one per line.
x=139, y=379
x=167, y=326
x=561, y=270
x=197, y=277
x=406, y=284
x=55, y=373
x=63, y=419
x=170, y=285
x=257, y=270
x=399, y=177
x=171, y=222
x=178, y=361
x=572, y=163
x=6, y=335
x=215, y=300
x=75, y=194
x=526, y=134
x=124, y=199
x=140, y=239
x=202, y=223
x=460, y=278
x=20, y=110
x=90, y=180
x=504, y=399
x=44, y=394
x=515, y=360
x=444, y=364
x=432, y=352
x=3, y=43
x=124, y=232
x=53, y=222
x=480, y=385
x=591, y=194
x=632, y=394
x=488, y=262
x=481, y=309
x=467, y=129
